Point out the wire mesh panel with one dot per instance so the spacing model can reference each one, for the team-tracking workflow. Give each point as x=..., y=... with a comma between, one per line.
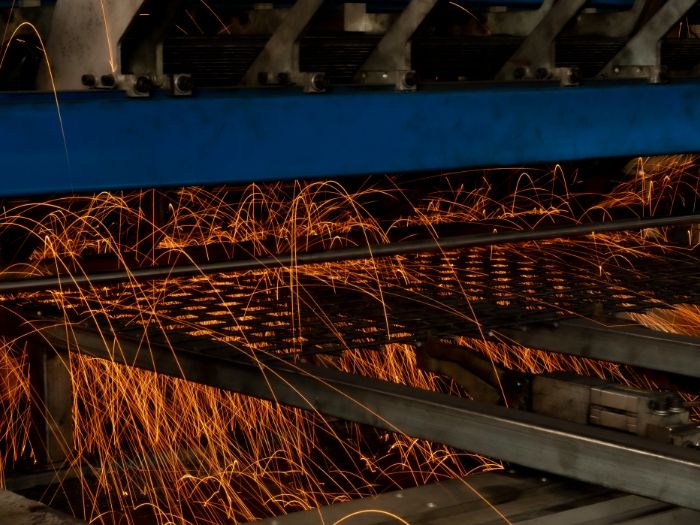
x=366, y=304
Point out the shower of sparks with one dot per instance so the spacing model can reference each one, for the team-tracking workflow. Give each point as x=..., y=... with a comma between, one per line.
x=183, y=453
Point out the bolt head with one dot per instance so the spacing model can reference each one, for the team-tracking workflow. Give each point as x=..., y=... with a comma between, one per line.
x=284, y=78
x=318, y=82
x=143, y=85
x=108, y=81
x=410, y=79
x=88, y=80
x=184, y=83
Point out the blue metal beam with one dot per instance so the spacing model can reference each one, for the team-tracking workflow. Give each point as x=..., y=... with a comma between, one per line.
x=240, y=136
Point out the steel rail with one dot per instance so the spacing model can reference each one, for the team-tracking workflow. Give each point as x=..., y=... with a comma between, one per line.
x=342, y=254
x=627, y=342
x=595, y=455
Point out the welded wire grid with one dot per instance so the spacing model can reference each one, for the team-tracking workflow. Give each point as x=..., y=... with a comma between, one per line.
x=459, y=293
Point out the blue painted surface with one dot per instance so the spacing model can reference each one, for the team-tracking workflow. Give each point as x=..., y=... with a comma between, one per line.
x=239, y=136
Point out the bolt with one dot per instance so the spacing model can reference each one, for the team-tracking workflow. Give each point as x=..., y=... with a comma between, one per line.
x=410, y=79
x=616, y=70
x=88, y=80
x=318, y=82
x=143, y=85
x=518, y=73
x=184, y=83
x=574, y=76
x=542, y=73
x=284, y=78
x=108, y=80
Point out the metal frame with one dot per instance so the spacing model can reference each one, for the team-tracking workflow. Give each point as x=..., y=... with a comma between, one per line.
x=625, y=342
x=84, y=39
x=390, y=61
x=524, y=499
x=615, y=24
x=640, y=58
x=239, y=136
x=278, y=62
x=582, y=452
x=534, y=59
x=52, y=404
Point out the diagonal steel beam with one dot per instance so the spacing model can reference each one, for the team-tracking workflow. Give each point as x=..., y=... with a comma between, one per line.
x=595, y=455
x=625, y=342
x=281, y=53
x=535, y=56
x=393, y=53
x=641, y=57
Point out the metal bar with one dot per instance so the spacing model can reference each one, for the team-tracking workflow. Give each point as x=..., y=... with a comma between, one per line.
x=615, y=24
x=522, y=500
x=52, y=404
x=280, y=54
x=84, y=39
x=520, y=22
x=643, y=48
x=578, y=451
x=248, y=135
x=342, y=254
x=535, y=56
x=626, y=343
x=392, y=52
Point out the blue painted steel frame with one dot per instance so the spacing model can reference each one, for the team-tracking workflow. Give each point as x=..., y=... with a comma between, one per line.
x=240, y=136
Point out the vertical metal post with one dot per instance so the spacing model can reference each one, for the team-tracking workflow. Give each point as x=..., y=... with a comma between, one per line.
x=52, y=403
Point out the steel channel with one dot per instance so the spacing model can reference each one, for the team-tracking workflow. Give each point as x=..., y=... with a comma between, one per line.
x=595, y=455
x=627, y=343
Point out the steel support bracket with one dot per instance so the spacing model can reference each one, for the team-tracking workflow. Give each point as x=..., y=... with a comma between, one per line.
x=583, y=452
x=534, y=59
x=617, y=24
x=84, y=39
x=517, y=23
x=278, y=62
x=615, y=340
x=641, y=58
x=390, y=61
x=52, y=403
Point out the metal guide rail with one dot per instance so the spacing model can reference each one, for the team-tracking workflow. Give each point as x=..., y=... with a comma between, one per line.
x=524, y=500
x=319, y=309
x=582, y=451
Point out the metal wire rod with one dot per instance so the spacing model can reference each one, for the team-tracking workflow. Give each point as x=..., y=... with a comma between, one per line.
x=342, y=254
